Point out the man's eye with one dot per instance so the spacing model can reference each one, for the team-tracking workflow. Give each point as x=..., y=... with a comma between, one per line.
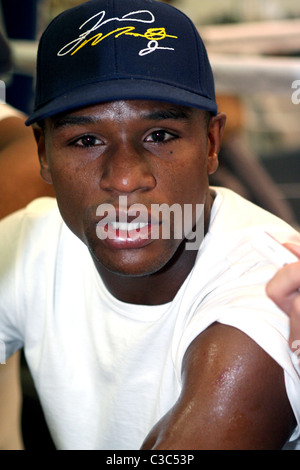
x=87, y=141
x=160, y=136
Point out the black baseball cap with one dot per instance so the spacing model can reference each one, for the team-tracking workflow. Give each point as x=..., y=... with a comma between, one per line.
x=106, y=50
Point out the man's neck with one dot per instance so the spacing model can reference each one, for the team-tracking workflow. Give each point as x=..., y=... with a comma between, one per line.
x=153, y=289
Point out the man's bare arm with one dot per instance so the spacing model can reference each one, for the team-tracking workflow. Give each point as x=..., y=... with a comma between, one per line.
x=20, y=180
x=233, y=397
x=10, y=405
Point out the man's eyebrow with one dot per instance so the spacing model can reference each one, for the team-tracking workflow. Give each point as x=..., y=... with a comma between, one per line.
x=157, y=115
x=170, y=113
x=69, y=120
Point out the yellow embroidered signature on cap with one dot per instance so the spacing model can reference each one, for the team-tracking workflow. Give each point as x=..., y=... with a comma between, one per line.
x=153, y=35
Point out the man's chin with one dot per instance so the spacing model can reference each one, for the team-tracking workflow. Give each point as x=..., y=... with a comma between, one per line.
x=136, y=270
x=130, y=263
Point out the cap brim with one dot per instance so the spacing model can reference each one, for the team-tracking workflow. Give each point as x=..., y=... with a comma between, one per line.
x=122, y=89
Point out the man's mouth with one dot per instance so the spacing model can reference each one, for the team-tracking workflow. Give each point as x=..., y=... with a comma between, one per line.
x=127, y=232
x=129, y=226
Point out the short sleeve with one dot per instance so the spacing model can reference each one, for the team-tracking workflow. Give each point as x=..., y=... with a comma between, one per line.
x=25, y=257
x=237, y=298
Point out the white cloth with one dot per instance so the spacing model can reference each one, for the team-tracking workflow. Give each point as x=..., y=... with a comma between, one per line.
x=106, y=371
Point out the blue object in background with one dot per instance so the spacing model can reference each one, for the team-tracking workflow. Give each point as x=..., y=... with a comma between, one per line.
x=20, y=19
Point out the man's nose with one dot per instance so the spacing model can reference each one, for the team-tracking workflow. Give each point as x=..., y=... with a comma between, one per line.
x=126, y=169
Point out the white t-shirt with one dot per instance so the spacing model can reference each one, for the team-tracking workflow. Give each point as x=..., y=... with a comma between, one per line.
x=106, y=371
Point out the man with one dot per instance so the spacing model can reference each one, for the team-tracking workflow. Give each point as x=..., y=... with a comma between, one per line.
x=138, y=332
x=283, y=289
x=20, y=183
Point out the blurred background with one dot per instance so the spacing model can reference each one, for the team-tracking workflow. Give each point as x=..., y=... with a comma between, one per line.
x=254, y=48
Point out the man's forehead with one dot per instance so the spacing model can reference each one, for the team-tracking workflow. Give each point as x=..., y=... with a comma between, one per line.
x=142, y=109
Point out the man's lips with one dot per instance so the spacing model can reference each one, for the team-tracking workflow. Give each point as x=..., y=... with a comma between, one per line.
x=124, y=230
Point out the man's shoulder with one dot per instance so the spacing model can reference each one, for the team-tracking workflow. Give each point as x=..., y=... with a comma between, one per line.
x=233, y=213
x=29, y=227
x=37, y=211
x=228, y=252
x=41, y=207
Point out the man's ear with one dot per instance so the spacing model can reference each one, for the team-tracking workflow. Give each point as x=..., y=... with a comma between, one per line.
x=215, y=131
x=39, y=135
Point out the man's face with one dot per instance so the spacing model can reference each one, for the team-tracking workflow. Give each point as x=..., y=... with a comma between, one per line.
x=138, y=152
